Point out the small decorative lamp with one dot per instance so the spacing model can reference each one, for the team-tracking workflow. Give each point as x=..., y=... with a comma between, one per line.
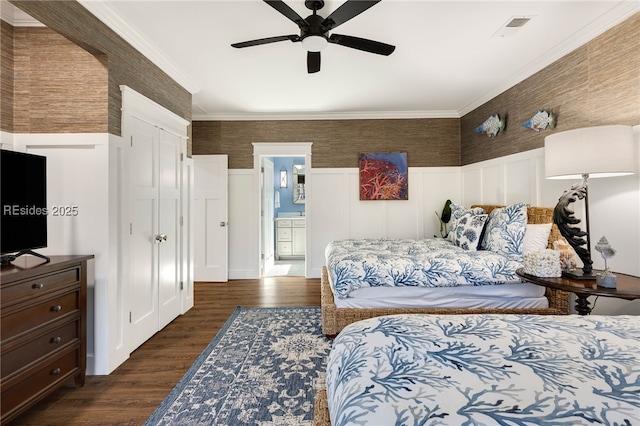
x=603, y=151
x=284, y=180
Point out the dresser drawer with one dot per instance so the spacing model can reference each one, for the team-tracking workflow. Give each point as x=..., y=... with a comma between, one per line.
x=39, y=315
x=17, y=357
x=41, y=285
x=284, y=224
x=38, y=381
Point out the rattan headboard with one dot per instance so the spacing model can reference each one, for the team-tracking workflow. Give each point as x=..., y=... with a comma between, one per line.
x=535, y=215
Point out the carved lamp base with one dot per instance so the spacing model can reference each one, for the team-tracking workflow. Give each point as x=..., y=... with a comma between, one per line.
x=578, y=274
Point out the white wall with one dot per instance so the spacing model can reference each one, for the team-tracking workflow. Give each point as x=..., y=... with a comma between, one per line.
x=86, y=171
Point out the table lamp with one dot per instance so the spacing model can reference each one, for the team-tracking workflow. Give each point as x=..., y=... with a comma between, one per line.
x=591, y=152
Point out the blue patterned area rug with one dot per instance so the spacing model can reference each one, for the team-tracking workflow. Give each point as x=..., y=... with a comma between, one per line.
x=263, y=368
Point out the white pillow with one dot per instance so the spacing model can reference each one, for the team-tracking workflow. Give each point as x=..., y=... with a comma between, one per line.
x=536, y=237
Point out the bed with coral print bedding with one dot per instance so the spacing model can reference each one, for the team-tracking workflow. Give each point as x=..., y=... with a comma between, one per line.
x=483, y=249
x=358, y=263
x=486, y=370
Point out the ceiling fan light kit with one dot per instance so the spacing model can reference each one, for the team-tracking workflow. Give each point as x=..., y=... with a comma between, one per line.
x=314, y=30
x=314, y=43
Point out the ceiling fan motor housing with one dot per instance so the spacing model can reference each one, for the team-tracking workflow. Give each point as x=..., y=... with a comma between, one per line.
x=314, y=4
x=314, y=36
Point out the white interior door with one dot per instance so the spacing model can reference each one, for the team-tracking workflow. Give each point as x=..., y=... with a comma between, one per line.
x=186, y=223
x=211, y=218
x=267, y=205
x=142, y=293
x=154, y=293
x=168, y=240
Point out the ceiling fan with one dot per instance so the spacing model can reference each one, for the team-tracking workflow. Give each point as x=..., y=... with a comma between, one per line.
x=314, y=30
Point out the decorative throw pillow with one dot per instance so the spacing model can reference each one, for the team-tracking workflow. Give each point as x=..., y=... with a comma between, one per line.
x=536, y=237
x=457, y=211
x=505, y=230
x=468, y=230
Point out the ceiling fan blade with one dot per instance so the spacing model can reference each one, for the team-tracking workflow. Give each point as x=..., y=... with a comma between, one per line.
x=313, y=62
x=284, y=9
x=349, y=9
x=362, y=44
x=260, y=41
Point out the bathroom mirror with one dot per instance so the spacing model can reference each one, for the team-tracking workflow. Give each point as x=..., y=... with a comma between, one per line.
x=298, y=184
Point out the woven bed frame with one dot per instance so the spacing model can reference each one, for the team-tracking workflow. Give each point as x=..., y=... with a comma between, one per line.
x=335, y=319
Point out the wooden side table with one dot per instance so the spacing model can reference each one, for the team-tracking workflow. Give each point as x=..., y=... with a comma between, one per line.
x=628, y=287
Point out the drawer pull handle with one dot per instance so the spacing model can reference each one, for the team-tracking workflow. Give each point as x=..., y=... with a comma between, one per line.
x=56, y=340
x=37, y=286
x=56, y=308
x=55, y=372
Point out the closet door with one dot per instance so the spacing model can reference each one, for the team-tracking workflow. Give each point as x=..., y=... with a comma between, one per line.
x=142, y=294
x=154, y=291
x=169, y=303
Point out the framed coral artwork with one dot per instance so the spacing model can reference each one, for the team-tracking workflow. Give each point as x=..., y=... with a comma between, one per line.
x=384, y=176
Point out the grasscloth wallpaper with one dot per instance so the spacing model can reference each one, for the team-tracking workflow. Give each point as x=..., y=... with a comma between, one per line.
x=124, y=64
x=336, y=143
x=596, y=84
x=6, y=76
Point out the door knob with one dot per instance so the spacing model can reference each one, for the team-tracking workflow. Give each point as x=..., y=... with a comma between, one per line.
x=223, y=224
x=160, y=238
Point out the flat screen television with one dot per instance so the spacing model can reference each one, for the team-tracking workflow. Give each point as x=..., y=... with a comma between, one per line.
x=23, y=199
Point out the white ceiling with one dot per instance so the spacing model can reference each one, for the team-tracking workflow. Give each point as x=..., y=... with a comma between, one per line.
x=448, y=59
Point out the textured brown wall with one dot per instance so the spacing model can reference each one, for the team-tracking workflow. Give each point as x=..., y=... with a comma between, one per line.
x=125, y=64
x=336, y=143
x=58, y=86
x=597, y=84
x=6, y=77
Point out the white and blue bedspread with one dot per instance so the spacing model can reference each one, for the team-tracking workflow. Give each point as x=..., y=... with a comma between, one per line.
x=359, y=263
x=486, y=370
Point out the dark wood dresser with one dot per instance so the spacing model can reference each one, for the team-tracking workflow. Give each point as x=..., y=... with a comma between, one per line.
x=43, y=325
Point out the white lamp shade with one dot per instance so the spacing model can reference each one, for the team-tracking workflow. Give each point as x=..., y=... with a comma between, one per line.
x=602, y=151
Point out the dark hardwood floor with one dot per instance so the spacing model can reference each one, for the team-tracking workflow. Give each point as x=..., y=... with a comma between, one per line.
x=131, y=393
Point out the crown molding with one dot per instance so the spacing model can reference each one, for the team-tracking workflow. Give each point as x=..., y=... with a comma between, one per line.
x=349, y=115
x=105, y=13
x=16, y=17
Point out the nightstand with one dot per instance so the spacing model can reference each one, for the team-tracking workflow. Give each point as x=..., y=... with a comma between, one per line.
x=628, y=287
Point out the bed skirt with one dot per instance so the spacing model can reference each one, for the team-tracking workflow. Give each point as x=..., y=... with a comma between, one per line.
x=335, y=319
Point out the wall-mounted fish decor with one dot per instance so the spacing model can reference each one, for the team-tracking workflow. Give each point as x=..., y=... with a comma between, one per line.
x=492, y=125
x=541, y=120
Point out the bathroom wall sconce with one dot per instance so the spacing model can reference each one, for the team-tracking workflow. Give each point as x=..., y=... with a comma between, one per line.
x=283, y=178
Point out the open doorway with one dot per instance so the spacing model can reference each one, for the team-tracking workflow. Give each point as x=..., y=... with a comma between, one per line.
x=285, y=234
x=282, y=170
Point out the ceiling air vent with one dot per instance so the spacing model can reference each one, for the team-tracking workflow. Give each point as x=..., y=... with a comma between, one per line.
x=513, y=25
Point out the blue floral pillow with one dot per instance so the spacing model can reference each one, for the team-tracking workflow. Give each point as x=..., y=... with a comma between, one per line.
x=457, y=211
x=468, y=230
x=505, y=230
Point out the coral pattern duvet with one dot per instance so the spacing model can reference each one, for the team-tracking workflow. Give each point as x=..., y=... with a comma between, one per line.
x=359, y=263
x=486, y=370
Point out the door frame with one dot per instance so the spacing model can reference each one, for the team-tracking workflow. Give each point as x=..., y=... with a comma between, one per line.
x=281, y=149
